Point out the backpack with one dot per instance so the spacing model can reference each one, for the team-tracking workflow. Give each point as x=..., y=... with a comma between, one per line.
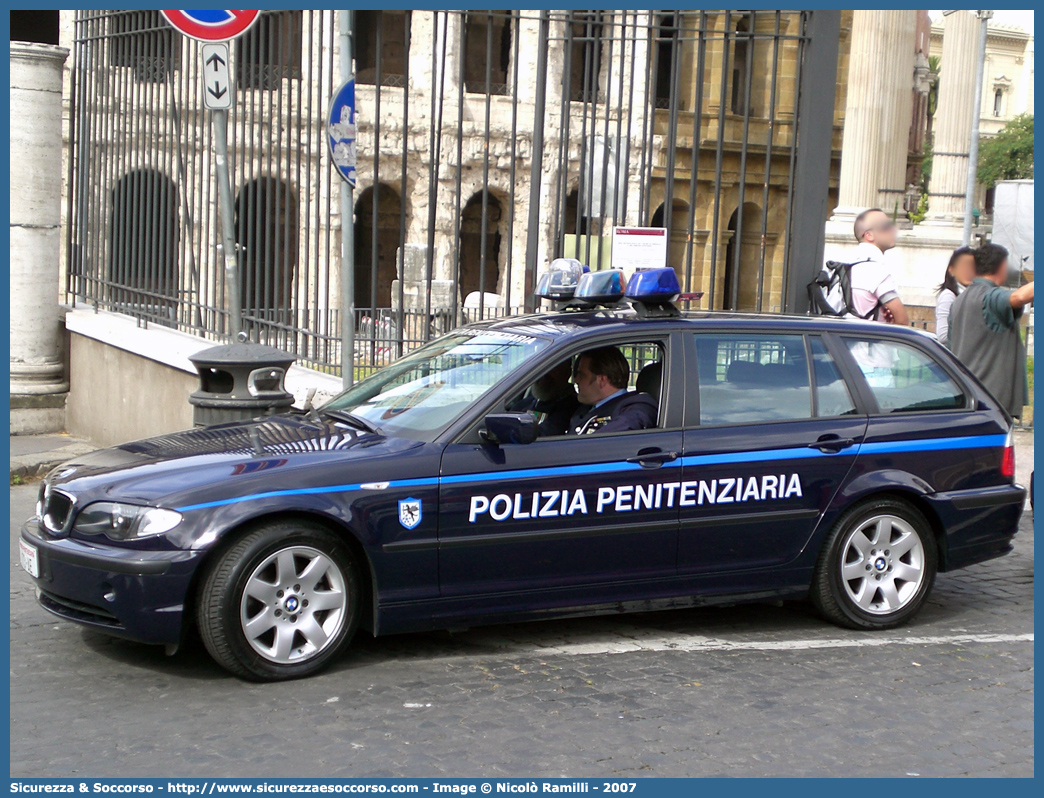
x=830, y=293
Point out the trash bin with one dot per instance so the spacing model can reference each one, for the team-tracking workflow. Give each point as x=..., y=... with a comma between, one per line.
x=238, y=382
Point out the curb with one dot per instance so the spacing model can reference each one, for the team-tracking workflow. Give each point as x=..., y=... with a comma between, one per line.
x=36, y=466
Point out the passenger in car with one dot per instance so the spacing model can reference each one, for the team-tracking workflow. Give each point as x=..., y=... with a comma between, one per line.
x=601, y=377
x=552, y=399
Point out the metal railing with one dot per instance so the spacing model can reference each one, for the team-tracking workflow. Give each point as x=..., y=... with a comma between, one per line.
x=474, y=171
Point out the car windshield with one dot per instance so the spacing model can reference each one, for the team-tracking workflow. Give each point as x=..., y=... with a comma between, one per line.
x=421, y=394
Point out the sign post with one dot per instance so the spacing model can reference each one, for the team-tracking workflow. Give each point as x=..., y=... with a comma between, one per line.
x=217, y=97
x=341, y=136
x=214, y=29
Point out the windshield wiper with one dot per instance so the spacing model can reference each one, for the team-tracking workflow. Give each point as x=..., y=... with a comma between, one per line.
x=351, y=418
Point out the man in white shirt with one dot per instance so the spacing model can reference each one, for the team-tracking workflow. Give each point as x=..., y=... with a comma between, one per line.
x=874, y=290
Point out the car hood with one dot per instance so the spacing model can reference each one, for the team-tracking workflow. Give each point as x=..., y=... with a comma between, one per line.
x=229, y=459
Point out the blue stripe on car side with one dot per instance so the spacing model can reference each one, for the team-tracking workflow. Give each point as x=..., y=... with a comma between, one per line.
x=398, y=483
x=936, y=444
x=885, y=447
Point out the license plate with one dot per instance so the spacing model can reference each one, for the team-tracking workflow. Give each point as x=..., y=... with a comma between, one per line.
x=28, y=557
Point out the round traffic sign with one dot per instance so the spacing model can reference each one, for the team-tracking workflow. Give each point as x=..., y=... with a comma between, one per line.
x=341, y=131
x=211, y=26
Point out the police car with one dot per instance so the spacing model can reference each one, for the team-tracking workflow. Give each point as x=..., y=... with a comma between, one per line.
x=785, y=458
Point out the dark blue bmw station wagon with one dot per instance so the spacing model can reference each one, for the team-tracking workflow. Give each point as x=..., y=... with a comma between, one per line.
x=779, y=457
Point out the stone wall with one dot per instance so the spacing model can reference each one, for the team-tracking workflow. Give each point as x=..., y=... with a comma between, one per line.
x=113, y=397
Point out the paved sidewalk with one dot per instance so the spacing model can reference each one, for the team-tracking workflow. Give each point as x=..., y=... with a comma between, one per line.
x=34, y=455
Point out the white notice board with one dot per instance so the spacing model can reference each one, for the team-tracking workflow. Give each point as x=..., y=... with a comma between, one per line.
x=637, y=248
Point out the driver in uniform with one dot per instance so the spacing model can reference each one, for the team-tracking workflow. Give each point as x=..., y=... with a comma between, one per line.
x=601, y=377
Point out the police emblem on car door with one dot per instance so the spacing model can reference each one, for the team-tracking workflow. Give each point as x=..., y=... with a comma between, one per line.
x=409, y=512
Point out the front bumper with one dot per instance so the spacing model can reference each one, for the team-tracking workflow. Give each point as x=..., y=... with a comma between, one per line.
x=135, y=594
x=980, y=524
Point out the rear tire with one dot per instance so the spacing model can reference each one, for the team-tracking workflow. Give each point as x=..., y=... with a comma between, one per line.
x=281, y=602
x=877, y=566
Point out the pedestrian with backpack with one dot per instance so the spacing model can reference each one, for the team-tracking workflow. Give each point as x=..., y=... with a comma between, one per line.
x=862, y=288
x=875, y=294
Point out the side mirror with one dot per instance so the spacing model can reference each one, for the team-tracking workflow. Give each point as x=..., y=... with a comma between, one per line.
x=510, y=428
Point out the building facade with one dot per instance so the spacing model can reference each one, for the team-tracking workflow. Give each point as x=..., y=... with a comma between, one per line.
x=1007, y=83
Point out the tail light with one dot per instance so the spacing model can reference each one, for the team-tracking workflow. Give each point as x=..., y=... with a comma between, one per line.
x=1008, y=457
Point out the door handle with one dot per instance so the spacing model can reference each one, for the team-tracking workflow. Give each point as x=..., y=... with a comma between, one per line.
x=831, y=444
x=652, y=458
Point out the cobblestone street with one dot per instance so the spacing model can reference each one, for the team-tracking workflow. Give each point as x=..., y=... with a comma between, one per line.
x=743, y=691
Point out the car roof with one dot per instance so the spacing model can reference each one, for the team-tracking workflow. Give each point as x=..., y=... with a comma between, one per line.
x=556, y=324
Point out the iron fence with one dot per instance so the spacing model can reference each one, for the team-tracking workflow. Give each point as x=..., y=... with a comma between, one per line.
x=489, y=142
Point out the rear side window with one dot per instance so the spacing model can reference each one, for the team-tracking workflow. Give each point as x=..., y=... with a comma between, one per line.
x=832, y=395
x=903, y=378
x=747, y=379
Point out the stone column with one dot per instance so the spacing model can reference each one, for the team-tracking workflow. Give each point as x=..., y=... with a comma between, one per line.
x=38, y=385
x=898, y=115
x=871, y=107
x=953, y=120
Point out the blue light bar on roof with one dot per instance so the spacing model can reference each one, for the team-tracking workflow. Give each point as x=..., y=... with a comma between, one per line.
x=559, y=282
x=654, y=286
x=601, y=287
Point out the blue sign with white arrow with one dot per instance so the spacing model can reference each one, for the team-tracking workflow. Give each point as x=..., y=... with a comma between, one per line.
x=341, y=132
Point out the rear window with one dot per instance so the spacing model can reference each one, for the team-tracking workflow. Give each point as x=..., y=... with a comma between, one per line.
x=832, y=395
x=748, y=379
x=904, y=379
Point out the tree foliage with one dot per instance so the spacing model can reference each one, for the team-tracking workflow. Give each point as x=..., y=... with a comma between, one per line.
x=1009, y=154
x=934, y=68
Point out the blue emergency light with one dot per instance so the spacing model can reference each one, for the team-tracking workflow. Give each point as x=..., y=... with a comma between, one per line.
x=601, y=288
x=654, y=286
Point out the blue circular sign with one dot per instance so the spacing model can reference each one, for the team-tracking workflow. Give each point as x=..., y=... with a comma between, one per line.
x=340, y=130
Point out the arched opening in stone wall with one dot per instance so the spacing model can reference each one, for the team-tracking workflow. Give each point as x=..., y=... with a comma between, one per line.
x=585, y=61
x=740, y=291
x=487, y=41
x=270, y=51
x=34, y=26
x=666, y=45
x=143, y=245
x=381, y=34
x=389, y=205
x=267, y=234
x=678, y=236
x=473, y=275
x=742, y=51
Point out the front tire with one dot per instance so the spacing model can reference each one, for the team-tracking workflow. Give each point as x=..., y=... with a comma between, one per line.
x=877, y=566
x=281, y=602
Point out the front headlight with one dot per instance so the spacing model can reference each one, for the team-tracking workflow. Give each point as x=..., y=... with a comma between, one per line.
x=119, y=521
